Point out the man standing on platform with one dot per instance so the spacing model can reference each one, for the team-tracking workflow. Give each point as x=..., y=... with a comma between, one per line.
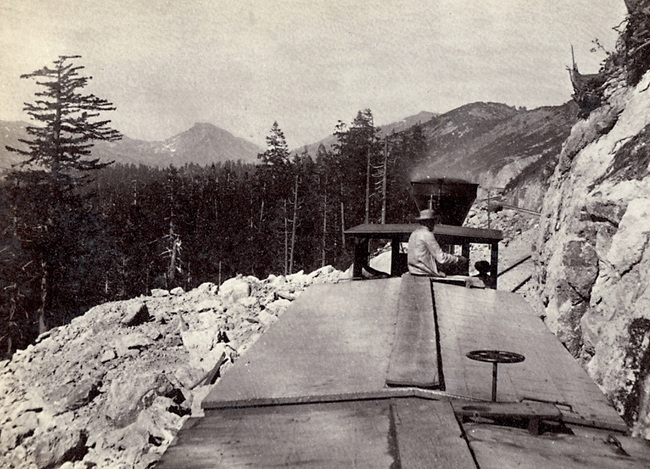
x=425, y=254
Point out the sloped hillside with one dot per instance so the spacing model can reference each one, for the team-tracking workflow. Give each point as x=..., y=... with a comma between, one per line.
x=593, y=250
x=10, y=132
x=399, y=126
x=492, y=144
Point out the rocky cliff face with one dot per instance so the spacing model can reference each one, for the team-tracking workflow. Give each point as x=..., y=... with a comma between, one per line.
x=593, y=255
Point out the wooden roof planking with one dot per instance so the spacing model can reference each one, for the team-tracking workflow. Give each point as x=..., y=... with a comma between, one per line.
x=334, y=340
x=334, y=383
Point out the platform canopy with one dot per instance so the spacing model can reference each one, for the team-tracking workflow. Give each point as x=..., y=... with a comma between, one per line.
x=447, y=236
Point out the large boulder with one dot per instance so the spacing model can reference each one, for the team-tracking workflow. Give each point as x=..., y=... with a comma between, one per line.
x=60, y=445
x=73, y=395
x=203, y=346
x=129, y=394
x=14, y=432
x=235, y=289
x=278, y=307
x=136, y=314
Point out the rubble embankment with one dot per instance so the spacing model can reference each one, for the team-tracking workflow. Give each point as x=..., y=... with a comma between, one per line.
x=112, y=388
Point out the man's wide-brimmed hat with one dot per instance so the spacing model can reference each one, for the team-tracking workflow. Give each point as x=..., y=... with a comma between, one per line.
x=427, y=214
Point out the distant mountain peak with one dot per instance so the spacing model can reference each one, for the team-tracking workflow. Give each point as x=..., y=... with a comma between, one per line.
x=202, y=144
x=492, y=143
x=482, y=109
x=205, y=127
x=422, y=117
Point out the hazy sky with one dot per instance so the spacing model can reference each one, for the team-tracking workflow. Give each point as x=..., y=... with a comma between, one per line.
x=242, y=64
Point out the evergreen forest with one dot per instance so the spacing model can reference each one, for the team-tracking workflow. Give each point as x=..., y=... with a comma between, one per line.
x=127, y=230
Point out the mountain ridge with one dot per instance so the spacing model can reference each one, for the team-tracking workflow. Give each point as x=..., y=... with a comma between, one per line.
x=202, y=144
x=397, y=126
x=485, y=142
x=492, y=144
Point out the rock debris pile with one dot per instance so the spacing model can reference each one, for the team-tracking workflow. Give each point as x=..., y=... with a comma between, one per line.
x=112, y=388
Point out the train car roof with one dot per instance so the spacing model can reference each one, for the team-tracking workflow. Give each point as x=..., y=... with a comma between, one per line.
x=403, y=230
x=376, y=374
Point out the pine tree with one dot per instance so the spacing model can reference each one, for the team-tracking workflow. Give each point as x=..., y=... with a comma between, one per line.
x=64, y=139
x=47, y=209
x=277, y=152
x=409, y=149
x=276, y=181
x=356, y=150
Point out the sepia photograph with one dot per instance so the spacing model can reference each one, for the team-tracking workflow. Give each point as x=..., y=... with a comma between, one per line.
x=324, y=234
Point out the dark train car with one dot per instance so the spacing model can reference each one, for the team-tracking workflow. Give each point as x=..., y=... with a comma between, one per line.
x=450, y=198
x=406, y=372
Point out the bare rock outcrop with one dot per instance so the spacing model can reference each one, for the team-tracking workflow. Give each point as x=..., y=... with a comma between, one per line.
x=112, y=388
x=593, y=259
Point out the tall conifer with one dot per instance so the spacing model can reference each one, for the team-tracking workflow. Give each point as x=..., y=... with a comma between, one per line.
x=67, y=127
x=48, y=213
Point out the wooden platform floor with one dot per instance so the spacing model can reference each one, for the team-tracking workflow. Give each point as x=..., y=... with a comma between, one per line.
x=470, y=319
x=316, y=351
x=313, y=392
x=499, y=447
x=414, y=358
x=387, y=433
